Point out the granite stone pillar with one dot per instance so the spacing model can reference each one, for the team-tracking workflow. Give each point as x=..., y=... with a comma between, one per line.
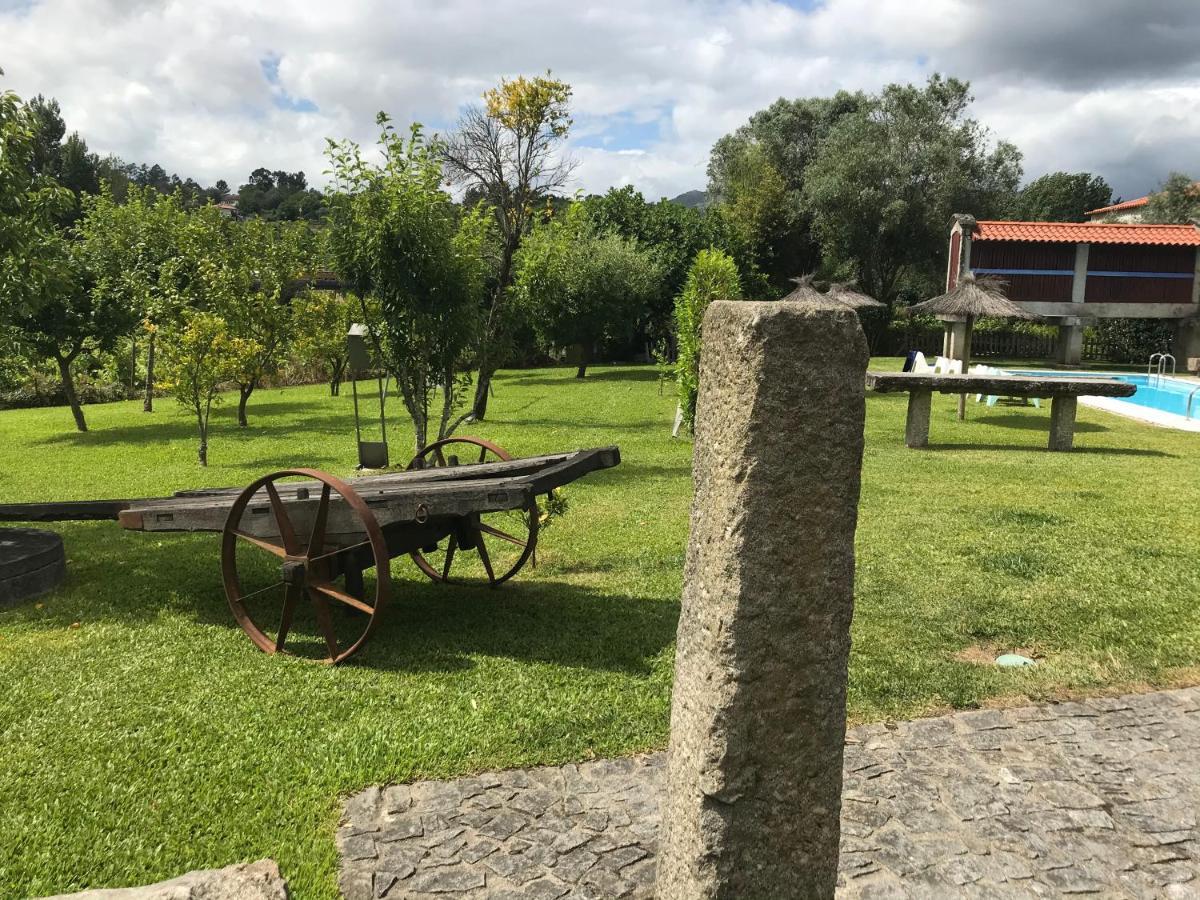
x=758, y=711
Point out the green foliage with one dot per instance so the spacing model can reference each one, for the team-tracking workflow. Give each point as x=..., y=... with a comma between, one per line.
x=280, y=196
x=886, y=180
x=1061, y=197
x=1132, y=340
x=673, y=233
x=1176, y=203
x=582, y=288
x=33, y=264
x=320, y=321
x=199, y=356
x=401, y=241
x=785, y=137
x=712, y=276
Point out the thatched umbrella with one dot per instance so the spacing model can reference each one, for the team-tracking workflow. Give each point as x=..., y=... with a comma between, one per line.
x=846, y=292
x=970, y=299
x=806, y=292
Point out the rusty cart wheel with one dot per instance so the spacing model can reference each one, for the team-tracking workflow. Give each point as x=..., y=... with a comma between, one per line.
x=504, y=541
x=261, y=537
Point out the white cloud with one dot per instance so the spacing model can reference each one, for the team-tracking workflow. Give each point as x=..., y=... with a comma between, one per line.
x=1106, y=86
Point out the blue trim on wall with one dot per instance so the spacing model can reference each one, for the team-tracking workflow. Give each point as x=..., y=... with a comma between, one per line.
x=1023, y=271
x=1179, y=275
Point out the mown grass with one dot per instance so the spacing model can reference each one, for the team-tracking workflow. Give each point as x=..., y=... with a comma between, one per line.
x=141, y=735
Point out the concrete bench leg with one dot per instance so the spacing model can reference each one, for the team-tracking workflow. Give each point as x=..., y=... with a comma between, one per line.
x=1062, y=422
x=916, y=426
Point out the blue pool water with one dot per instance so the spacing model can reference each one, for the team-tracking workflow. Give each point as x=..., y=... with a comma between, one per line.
x=1165, y=394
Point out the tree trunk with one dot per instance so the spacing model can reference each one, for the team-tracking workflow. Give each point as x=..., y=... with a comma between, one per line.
x=68, y=383
x=244, y=392
x=203, y=451
x=585, y=359
x=132, y=365
x=148, y=402
x=337, y=370
x=491, y=332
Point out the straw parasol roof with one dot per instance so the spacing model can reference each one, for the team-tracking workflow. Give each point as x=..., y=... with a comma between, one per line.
x=971, y=298
x=848, y=293
x=806, y=292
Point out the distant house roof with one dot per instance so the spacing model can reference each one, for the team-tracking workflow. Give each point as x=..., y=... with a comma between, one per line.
x=1118, y=207
x=1088, y=233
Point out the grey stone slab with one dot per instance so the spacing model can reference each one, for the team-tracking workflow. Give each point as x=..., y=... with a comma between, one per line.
x=1100, y=817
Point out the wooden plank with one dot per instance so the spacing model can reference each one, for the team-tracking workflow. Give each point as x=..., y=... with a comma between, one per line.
x=1008, y=386
x=64, y=511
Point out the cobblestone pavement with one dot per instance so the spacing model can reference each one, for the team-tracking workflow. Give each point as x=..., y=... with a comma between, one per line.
x=1098, y=797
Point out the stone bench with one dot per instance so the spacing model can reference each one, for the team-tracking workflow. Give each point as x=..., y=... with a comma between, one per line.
x=1064, y=394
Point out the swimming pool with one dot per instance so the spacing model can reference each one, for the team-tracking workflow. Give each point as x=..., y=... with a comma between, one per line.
x=1162, y=393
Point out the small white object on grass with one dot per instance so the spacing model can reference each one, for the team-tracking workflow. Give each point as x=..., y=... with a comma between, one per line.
x=1014, y=660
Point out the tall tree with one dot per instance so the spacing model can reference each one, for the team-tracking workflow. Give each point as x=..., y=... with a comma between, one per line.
x=672, y=232
x=1176, y=203
x=31, y=204
x=780, y=142
x=320, y=322
x=280, y=196
x=1062, y=197
x=581, y=288
x=886, y=180
x=402, y=243
x=508, y=153
x=136, y=259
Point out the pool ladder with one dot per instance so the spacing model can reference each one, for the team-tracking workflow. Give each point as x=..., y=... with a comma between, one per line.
x=1191, y=397
x=1157, y=367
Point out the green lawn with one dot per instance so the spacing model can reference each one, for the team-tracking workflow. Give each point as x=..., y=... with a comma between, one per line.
x=142, y=735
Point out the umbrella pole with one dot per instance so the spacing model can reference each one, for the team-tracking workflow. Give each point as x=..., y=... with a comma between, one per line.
x=966, y=365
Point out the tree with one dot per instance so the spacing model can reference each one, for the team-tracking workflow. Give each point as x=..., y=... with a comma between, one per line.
x=402, y=243
x=279, y=196
x=673, y=233
x=713, y=275
x=31, y=204
x=321, y=320
x=507, y=153
x=786, y=137
x=246, y=272
x=1062, y=197
x=134, y=251
x=1176, y=203
x=580, y=288
x=887, y=179
x=198, y=358
x=757, y=210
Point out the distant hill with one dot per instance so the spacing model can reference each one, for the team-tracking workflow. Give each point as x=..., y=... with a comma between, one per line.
x=690, y=199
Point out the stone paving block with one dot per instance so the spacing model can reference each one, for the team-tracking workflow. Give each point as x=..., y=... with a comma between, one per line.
x=1102, y=819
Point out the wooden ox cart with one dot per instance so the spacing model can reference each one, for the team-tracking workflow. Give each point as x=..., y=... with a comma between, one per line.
x=300, y=533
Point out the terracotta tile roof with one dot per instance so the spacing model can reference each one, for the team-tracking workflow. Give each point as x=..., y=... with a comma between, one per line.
x=1117, y=207
x=1089, y=233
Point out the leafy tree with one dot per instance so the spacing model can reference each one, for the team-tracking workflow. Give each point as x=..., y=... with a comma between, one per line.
x=887, y=179
x=1176, y=203
x=321, y=320
x=713, y=275
x=279, y=196
x=134, y=253
x=786, y=137
x=507, y=153
x=581, y=288
x=198, y=358
x=1062, y=197
x=673, y=233
x=757, y=209
x=403, y=243
x=31, y=204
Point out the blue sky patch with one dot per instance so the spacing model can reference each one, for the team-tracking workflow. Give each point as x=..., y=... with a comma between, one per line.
x=279, y=97
x=623, y=131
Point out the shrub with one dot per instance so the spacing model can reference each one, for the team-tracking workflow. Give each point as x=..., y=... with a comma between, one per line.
x=713, y=276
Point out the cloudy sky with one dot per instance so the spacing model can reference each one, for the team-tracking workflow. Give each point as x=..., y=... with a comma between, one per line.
x=215, y=88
